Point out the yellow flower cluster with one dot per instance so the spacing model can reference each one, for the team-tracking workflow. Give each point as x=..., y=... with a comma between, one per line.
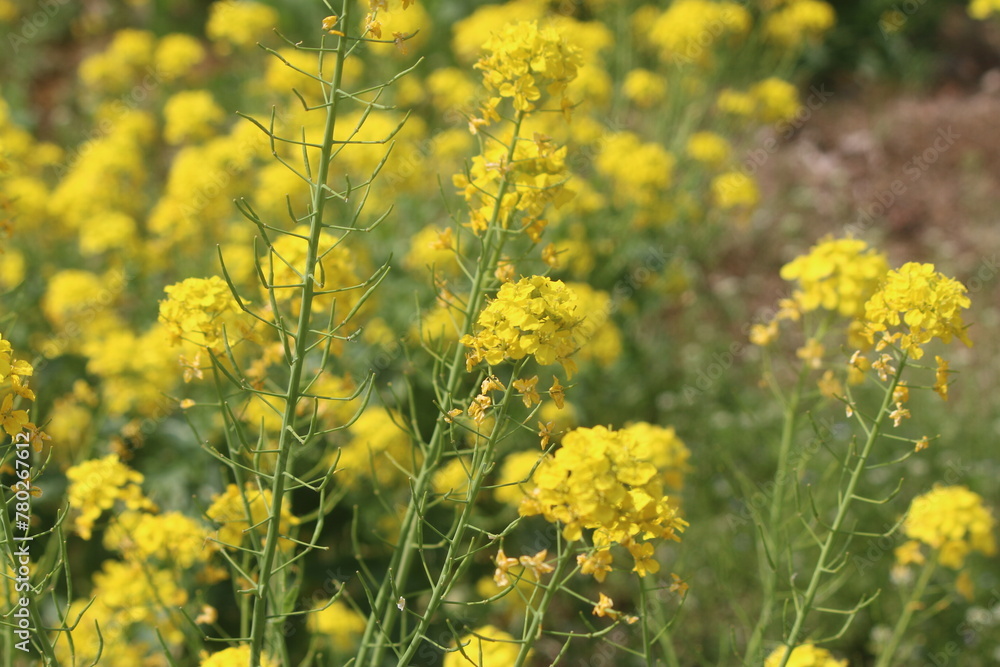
x=177, y=55
x=230, y=510
x=837, y=275
x=607, y=481
x=797, y=21
x=238, y=23
x=954, y=521
x=237, y=656
x=534, y=179
x=128, y=599
x=337, y=624
x=96, y=485
x=191, y=116
x=487, y=646
x=597, y=337
x=640, y=172
x=534, y=316
x=377, y=450
x=708, y=147
x=983, y=9
x=805, y=655
x=687, y=31
x=922, y=304
x=772, y=100
x=669, y=453
x=170, y=537
x=734, y=190
x=198, y=309
x=644, y=88
x=121, y=64
x=13, y=385
x=521, y=59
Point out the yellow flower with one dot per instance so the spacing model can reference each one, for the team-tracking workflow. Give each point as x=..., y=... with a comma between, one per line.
x=96, y=485
x=604, y=607
x=514, y=480
x=597, y=563
x=982, y=9
x=606, y=481
x=230, y=510
x=838, y=275
x=776, y=100
x=487, y=646
x=377, y=446
x=799, y=21
x=522, y=59
x=535, y=316
x=171, y=538
x=233, y=657
x=909, y=552
x=811, y=353
x=708, y=147
x=528, y=392
x=952, y=520
x=643, y=88
x=238, y=23
x=764, y=334
x=915, y=304
x=941, y=378
x=337, y=624
x=190, y=116
x=197, y=309
x=177, y=55
x=734, y=190
x=687, y=31
x=805, y=655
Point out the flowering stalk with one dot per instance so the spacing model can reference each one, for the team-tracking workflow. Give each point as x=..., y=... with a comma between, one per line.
x=804, y=607
x=887, y=654
x=768, y=557
x=536, y=614
x=264, y=596
x=382, y=619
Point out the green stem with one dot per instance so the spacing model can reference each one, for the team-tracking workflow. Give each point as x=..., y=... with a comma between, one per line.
x=444, y=581
x=258, y=628
x=537, y=614
x=403, y=556
x=769, y=574
x=885, y=658
x=846, y=501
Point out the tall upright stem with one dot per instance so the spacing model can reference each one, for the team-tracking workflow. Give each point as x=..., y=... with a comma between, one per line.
x=823, y=565
x=263, y=594
x=383, y=619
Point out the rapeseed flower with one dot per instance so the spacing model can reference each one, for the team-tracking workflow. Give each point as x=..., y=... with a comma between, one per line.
x=190, y=116
x=522, y=59
x=606, y=481
x=914, y=304
x=798, y=21
x=338, y=624
x=804, y=655
x=96, y=485
x=836, y=275
x=233, y=657
x=238, y=23
x=487, y=646
x=954, y=521
x=535, y=316
x=198, y=309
